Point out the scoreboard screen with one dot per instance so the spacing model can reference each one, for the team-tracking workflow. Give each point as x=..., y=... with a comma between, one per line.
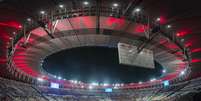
x=108, y=90
x=128, y=56
x=54, y=85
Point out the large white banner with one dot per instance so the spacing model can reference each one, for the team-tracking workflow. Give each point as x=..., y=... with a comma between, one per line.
x=128, y=55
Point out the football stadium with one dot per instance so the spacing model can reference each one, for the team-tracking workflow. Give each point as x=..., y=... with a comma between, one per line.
x=100, y=50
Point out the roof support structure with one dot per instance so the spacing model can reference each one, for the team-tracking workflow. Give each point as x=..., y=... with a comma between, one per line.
x=131, y=6
x=152, y=35
x=98, y=6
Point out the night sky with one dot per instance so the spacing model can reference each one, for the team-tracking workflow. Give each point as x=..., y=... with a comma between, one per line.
x=96, y=64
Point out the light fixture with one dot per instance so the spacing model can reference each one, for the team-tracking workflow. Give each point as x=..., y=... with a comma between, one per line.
x=59, y=78
x=94, y=84
x=42, y=12
x=137, y=10
x=20, y=26
x=178, y=34
x=90, y=87
x=61, y=6
x=105, y=84
x=40, y=79
x=158, y=19
x=74, y=81
x=82, y=86
x=154, y=79
x=164, y=71
x=29, y=19
x=115, y=5
x=169, y=26
x=182, y=72
x=182, y=40
x=140, y=82
x=86, y=3
x=166, y=83
x=115, y=87
x=122, y=84
x=14, y=33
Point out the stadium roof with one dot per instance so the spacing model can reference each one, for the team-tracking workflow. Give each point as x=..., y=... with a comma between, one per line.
x=182, y=15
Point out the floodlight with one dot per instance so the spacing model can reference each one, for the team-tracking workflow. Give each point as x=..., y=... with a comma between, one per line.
x=42, y=12
x=86, y=3
x=90, y=87
x=137, y=10
x=115, y=5
x=158, y=19
x=169, y=26
x=61, y=6
x=164, y=71
x=166, y=83
x=59, y=78
x=40, y=79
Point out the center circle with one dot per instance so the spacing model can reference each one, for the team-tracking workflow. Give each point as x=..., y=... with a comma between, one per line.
x=96, y=64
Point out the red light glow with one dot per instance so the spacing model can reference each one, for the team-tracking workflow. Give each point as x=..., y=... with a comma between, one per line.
x=196, y=50
x=196, y=60
x=162, y=20
x=12, y=24
x=181, y=34
x=114, y=22
x=191, y=42
x=140, y=28
x=188, y=44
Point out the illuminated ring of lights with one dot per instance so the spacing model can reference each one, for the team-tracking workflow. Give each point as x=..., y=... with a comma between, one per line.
x=80, y=31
